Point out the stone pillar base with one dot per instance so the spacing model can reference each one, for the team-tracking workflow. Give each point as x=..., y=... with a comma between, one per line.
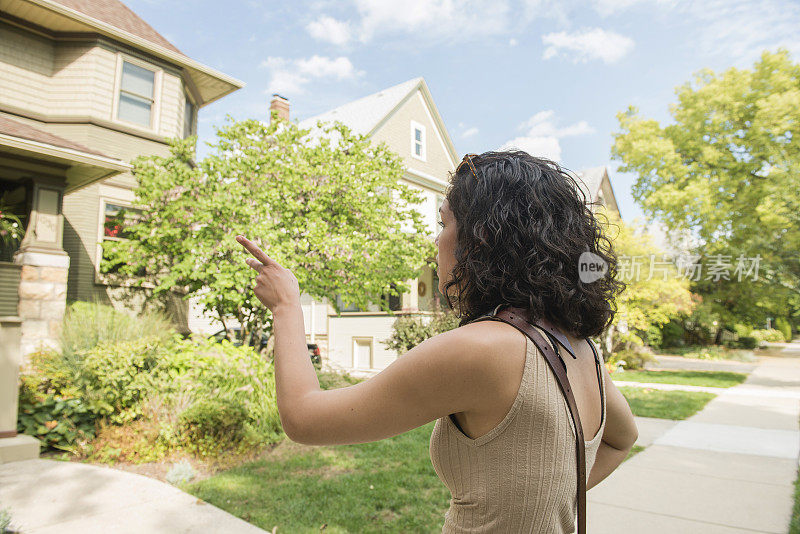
x=42, y=298
x=20, y=447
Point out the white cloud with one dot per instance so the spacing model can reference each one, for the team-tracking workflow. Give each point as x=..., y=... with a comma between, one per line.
x=292, y=75
x=330, y=30
x=320, y=67
x=540, y=147
x=542, y=136
x=558, y=10
x=433, y=19
x=542, y=124
x=610, y=7
x=469, y=132
x=741, y=30
x=512, y=42
x=735, y=29
x=584, y=45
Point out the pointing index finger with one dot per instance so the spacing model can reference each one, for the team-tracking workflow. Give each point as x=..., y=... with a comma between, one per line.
x=253, y=249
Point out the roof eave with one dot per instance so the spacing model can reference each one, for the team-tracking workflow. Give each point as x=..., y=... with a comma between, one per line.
x=150, y=47
x=81, y=163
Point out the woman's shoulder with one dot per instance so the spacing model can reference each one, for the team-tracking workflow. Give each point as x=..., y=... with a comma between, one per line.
x=486, y=332
x=491, y=342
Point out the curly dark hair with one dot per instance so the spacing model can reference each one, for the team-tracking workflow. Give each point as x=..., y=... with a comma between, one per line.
x=522, y=226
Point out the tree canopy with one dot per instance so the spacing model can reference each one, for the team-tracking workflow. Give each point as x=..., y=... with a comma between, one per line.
x=728, y=170
x=328, y=204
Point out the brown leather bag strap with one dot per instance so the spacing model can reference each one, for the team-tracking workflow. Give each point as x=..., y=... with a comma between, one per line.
x=518, y=318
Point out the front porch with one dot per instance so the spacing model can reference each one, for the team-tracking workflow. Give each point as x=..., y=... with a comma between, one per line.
x=36, y=170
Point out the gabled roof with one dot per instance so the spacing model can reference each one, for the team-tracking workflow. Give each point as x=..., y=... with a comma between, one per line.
x=366, y=114
x=117, y=14
x=593, y=179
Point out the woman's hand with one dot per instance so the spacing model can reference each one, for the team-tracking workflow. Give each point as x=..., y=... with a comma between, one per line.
x=275, y=285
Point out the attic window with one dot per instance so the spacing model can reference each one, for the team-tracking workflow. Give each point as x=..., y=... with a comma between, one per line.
x=418, y=141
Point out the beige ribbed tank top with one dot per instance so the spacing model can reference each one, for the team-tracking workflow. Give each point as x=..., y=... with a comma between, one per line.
x=521, y=475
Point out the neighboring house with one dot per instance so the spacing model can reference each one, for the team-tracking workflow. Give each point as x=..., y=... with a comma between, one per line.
x=85, y=87
x=597, y=188
x=406, y=119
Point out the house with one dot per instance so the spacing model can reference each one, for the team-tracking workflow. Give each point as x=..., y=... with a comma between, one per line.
x=597, y=188
x=85, y=87
x=406, y=119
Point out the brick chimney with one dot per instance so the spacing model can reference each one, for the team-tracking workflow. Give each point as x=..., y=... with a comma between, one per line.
x=281, y=105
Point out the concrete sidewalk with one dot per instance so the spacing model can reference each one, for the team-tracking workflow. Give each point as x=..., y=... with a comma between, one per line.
x=46, y=496
x=728, y=469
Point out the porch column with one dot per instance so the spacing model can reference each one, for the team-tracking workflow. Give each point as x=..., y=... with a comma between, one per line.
x=410, y=300
x=43, y=283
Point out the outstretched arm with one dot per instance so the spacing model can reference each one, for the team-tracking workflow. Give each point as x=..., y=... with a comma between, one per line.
x=446, y=374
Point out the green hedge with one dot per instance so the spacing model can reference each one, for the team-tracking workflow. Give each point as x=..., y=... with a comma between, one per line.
x=202, y=395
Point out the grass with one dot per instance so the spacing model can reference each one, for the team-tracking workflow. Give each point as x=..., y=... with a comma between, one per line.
x=633, y=451
x=716, y=379
x=710, y=352
x=648, y=402
x=383, y=486
x=794, y=524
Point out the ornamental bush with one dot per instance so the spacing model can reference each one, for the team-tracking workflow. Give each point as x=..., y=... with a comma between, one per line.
x=408, y=331
x=59, y=422
x=782, y=325
x=767, y=335
x=193, y=394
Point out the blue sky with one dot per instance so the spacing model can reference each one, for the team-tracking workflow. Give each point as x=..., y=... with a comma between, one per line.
x=548, y=76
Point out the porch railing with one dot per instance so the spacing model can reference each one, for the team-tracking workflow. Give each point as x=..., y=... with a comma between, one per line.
x=9, y=288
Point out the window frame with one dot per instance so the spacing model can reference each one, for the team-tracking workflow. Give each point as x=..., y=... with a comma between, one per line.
x=155, y=110
x=423, y=141
x=101, y=278
x=355, y=340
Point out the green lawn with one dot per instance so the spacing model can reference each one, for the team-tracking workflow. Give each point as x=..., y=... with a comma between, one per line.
x=384, y=486
x=636, y=449
x=648, y=402
x=716, y=379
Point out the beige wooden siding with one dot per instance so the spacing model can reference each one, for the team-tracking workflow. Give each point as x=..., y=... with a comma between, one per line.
x=26, y=65
x=77, y=80
x=171, y=106
x=81, y=226
x=73, y=85
x=396, y=132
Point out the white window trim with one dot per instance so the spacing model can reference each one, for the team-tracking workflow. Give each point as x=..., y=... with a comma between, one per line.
x=155, y=113
x=100, y=278
x=414, y=126
x=355, y=340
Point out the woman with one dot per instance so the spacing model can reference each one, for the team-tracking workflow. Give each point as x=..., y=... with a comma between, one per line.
x=514, y=228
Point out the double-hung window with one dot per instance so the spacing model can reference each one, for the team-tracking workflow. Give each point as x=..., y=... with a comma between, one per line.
x=136, y=99
x=418, y=141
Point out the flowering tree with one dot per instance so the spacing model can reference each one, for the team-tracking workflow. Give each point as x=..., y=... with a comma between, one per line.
x=330, y=206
